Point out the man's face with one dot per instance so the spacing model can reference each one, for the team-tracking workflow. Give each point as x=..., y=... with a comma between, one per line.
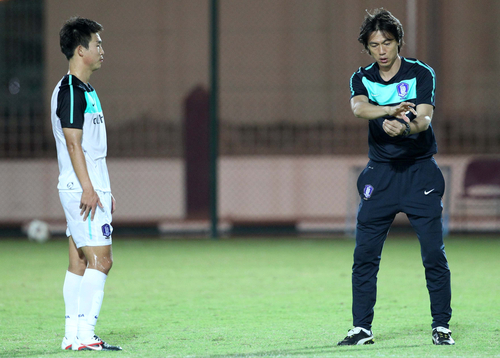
x=94, y=55
x=383, y=48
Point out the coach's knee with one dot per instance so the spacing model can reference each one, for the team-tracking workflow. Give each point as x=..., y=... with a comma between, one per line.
x=434, y=257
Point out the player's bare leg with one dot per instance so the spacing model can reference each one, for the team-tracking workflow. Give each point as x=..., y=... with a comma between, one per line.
x=77, y=260
x=99, y=261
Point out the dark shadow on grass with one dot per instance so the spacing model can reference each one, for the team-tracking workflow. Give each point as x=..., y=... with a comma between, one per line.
x=25, y=353
x=330, y=350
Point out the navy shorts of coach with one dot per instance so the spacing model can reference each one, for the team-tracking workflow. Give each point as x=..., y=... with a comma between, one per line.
x=414, y=188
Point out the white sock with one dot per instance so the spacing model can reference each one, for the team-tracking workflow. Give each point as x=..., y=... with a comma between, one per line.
x=71, y=290
x=91, y=295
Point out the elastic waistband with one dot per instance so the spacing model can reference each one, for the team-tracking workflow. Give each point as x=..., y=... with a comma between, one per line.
x=404, y=162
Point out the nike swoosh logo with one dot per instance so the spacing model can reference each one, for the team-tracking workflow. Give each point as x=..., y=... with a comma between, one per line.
x=427, y=192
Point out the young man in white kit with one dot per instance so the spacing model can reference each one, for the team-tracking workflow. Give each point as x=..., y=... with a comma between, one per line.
x=84, y=187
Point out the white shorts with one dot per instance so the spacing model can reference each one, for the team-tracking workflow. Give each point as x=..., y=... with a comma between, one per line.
x=87, y=233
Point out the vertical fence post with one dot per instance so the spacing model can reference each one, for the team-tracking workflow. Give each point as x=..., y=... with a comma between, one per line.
x=214, y=127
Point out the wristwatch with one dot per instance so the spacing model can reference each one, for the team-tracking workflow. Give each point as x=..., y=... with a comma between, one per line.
x=407, y=130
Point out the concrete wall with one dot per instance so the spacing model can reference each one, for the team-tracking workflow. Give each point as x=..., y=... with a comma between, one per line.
x=315, y=189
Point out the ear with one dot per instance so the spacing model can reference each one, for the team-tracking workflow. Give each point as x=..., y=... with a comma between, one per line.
x=79, y=50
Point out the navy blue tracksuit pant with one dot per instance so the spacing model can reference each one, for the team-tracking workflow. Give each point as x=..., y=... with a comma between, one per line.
x=416, y=189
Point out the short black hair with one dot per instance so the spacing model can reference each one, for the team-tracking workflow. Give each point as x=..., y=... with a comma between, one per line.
x=75, y=32
x=381, y=20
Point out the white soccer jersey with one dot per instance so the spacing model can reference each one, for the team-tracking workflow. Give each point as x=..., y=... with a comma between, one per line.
x=75, y=104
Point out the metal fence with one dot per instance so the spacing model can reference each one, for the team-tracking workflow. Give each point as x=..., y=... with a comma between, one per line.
x=287, y=140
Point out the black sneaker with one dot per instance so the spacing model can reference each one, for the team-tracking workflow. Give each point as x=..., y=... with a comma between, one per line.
x=357, y=336
x=442, y=337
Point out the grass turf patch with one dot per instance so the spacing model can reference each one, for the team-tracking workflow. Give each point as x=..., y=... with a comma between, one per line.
x=249, y=298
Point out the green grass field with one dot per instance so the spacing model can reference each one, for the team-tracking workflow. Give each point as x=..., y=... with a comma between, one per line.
x=249, y=297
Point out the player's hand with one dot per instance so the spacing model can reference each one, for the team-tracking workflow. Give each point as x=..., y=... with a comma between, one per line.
x=393, y=127
x=88, y=204
x=400, y=111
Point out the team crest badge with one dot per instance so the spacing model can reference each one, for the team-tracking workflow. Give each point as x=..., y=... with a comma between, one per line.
x=403, y=89
x=106, y=230
x=368, y=191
